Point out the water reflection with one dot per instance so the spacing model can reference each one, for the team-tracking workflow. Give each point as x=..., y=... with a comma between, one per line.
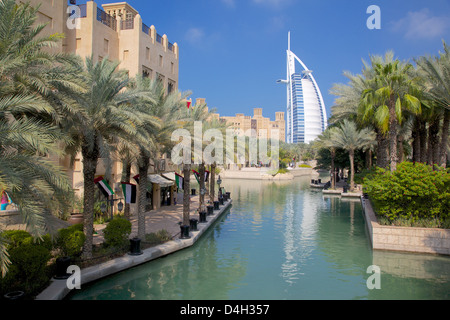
x=281, y=240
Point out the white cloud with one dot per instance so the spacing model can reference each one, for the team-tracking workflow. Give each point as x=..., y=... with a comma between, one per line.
x=229, y=3
x=194, y=35
x=422, y=25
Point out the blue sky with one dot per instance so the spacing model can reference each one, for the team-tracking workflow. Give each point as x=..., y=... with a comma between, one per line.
x=233, y=51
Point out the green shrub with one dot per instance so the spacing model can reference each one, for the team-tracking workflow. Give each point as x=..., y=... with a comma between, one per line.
x=412, y=192
x=16, y=238
x=117, y=232
x=70, y=240
x=28, y=269
x=364, y=174
x=304, y=165
x=158, y=237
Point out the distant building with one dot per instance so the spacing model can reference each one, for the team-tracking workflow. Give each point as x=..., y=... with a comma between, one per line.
x=306, y=112
x=242, y=124
x=262, y=126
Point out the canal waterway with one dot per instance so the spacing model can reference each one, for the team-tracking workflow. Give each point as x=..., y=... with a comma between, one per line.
x=280, y=241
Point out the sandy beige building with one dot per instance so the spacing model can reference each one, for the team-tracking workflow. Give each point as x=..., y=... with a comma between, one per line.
x=115, y=31
x=258, y=124
x=243, y=125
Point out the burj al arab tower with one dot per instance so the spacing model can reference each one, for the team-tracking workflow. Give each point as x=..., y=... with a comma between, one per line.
x=306, y=114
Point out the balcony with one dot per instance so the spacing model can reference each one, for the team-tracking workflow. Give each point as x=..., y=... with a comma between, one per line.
x=127, y=24
x=145, y=29
x=106, y=19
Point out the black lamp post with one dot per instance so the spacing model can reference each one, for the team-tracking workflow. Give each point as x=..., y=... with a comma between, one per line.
x=219, y=182
x=110, y=202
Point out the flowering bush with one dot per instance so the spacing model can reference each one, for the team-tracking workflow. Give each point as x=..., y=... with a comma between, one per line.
x=413, y=192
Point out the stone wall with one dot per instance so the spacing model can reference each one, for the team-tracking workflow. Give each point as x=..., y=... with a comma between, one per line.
x=11, y=220
x=262, y=174
x=409, y=239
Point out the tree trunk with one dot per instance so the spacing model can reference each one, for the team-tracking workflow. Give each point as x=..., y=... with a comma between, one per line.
x=423, y=136
x=212, y=183
x=416, y=141
x=444, y=139
x=433, y=141
x=202, y=184
x=143, y=165
x=126, y=177
x=352, y=169
x=333, y=170
x=401, y=151
x=393, y=131
x=186, y=194
x=382, y=150
x=90, y=160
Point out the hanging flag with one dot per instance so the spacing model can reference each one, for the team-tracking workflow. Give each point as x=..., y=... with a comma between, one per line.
x=136, y=177
x=104, y=186
x=129, y=192
x=179, y=180
x=188, y=104
x=196, y=175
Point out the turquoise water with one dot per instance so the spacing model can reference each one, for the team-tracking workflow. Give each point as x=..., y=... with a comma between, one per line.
x=280, y=241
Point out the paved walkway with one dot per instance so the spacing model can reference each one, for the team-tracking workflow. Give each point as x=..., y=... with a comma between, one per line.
x=167, y=218
x=58, y=289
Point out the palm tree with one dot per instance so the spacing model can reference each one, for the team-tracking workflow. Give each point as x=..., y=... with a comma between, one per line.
x=190, y=117
x=392, y=94
x=353, y=102
x=103, y=113
x=198, y=114
x=348, y=137
x=28, y=113
x=162, y=112
x=436, y=73
x=325, y=140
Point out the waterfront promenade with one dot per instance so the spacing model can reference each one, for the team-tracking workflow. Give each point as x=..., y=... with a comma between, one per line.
x=166, y=218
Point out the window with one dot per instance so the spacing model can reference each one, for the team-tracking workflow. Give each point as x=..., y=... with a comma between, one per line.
x=161, y=61
x=172, y=67
x=78, y=43
x=146, y=72
x=147, y=53
x=170, y=87
x=125, y=54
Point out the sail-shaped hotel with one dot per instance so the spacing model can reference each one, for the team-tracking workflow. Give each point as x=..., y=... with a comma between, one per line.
x=306, y=116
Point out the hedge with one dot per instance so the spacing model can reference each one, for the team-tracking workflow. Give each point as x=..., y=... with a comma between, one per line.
x=412, y=192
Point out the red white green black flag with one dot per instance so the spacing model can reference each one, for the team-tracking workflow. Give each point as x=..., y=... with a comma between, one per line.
x=104, y=187
x=179, y=180
x=129, y=192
